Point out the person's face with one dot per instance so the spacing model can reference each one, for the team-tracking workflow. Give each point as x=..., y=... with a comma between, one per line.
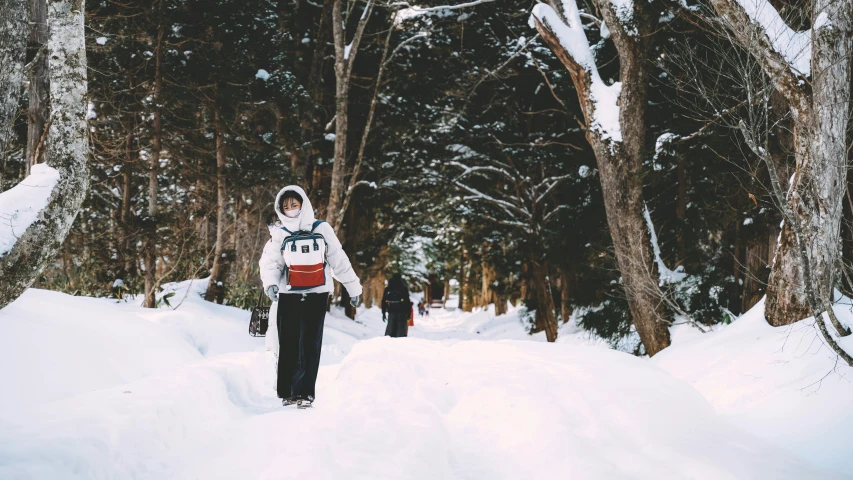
x=290, y=204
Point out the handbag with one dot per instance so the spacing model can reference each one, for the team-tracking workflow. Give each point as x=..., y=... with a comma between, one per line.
x=260, y=321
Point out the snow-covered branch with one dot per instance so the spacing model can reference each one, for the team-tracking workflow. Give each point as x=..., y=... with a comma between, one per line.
x=549, y=184
x=403, y=44
x=478, y=195
x=468, y=170
x=600, y=108
x=554, y=211
x=756, y=24
x=510, y=223
x=416, y=10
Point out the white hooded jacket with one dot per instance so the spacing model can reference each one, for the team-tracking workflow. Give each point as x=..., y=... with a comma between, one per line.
x=272, y=262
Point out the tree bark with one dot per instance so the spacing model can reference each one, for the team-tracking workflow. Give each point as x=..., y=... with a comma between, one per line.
x=545, y=317
x=301, y=164
x=39, y=98
x=13, y=38
x=681, y=205
x=125, y=219
x=344, y=59
x=348, y=194
x=820, y=123
x=620, y=163
x=67, y=151
x=462, y=280
x=568, y=282
x=154, y=167
x=216, y=286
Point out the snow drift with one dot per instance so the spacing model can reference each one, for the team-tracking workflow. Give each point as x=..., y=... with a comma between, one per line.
x=96, y=389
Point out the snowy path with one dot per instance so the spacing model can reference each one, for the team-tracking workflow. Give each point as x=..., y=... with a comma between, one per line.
x=99, y=390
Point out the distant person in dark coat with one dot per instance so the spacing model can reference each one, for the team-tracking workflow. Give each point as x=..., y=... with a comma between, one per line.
x=397, y=307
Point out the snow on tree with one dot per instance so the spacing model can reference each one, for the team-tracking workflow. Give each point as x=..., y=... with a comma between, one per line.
x=820, y=111
x=526, y=206
x=615, y=117
x=40, y=226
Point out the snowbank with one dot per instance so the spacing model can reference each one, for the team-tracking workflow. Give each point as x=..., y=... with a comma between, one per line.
x=96, y=389
x=500, y=410
x=782, y=384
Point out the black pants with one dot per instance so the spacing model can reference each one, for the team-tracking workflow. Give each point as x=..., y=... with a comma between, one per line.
x=300, y=338
x=398, y=324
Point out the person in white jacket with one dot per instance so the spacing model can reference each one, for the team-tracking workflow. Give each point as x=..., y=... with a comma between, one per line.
x=301, y=310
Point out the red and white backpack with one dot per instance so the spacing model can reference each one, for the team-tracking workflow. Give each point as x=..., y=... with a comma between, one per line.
x=304, y=255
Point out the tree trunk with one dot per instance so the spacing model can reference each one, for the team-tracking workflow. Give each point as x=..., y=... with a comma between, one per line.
x=154, y=168
x=462, y=280
x=681, y=205
x=301, y=163
x=341, y=111
x=67, y=149
x=125, y=245
x=568, y=282
x=38, y=90
x=39, y=98
x=221, y=259
x=344, y=59
x=545, y=316
x=820, y=121
x=13, y=41
x=820, y=178
x=620, y=162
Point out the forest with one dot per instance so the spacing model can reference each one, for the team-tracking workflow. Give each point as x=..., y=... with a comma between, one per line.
x=448, y=239
x=629, y=165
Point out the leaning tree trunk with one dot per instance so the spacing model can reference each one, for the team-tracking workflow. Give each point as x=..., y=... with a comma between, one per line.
x=619, y=159
x=820, y=122
x=67, y=150
x=39, y=99
x=13, y=41
x=216, y=286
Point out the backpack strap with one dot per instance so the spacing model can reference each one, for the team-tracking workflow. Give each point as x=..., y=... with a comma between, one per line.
x=286, y=230
x=316, y=224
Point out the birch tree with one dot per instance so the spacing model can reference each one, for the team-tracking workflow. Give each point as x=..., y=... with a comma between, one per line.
x=36, y=215
x=13, y=38
x=615, y=117
x=820, y=112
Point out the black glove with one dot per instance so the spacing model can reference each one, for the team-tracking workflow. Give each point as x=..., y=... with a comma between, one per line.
x=383, y=317
x=354, y=300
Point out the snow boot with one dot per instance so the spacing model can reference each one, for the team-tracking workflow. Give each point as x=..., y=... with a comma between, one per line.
x=286, y=402
x=304, y=403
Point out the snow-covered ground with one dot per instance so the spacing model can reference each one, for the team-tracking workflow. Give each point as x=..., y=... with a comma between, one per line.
x=96, y=389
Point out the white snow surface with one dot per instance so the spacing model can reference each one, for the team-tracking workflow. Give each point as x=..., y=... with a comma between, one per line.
x=795, y=46
x=22, y=204
x=605, y=114
x=96, y=389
